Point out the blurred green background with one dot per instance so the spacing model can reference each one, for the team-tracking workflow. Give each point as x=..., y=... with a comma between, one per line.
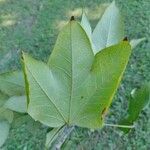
x=33, y=26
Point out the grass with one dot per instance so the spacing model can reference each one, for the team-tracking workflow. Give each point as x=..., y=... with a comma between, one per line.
x=33, y=25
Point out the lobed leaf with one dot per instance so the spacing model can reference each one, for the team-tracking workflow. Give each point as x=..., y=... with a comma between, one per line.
x=70, y=55
x=75, y=87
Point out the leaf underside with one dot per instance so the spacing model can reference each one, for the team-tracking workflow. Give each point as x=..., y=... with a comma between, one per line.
x=75, y=86
x=109, y=30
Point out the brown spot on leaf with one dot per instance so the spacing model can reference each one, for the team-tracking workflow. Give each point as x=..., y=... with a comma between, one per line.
x=72, y=18
x=103, y=114
x=125, y=39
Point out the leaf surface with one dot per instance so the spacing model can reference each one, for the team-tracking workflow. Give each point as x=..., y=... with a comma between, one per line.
x=67, y=67
x=86, y=25
x=75, y=87
x=109, y=30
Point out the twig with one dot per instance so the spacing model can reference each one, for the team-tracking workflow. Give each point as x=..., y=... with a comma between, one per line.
x=62, y=137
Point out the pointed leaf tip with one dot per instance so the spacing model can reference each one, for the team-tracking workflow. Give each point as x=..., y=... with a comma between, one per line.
x=109, y=30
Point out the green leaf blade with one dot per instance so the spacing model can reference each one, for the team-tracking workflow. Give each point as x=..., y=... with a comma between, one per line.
x=103, y=83
x=109, y=30
x=69, y=89
x=42, y=106
x=86, y=25
x=73, y=45
x=67, y=68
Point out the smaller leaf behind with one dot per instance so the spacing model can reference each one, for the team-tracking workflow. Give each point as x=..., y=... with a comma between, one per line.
x=12, y=83
x=86, y=25
x=109, y=30
x=17, y=103
x=137, y=102
x=4, y=131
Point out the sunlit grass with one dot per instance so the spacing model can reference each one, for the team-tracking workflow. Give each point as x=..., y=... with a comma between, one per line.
x=7, y=20
x=2, y=1
x=92, y=13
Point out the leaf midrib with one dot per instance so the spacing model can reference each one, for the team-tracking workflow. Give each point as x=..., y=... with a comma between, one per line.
x=109, y=27
x=71, y=89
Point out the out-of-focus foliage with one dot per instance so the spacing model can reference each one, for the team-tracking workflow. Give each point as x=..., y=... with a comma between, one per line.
x=12, y=98
x=139, y=99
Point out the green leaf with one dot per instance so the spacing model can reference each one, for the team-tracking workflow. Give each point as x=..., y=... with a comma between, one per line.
x=138, y=101
x=52, y=135
x=109, y=30
x=12, y=83
x=136, y=42
x=86, y=25
x=6, y=114
x=75, y=87
x=4, y=131
x=17, y=103
x=50, y=98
